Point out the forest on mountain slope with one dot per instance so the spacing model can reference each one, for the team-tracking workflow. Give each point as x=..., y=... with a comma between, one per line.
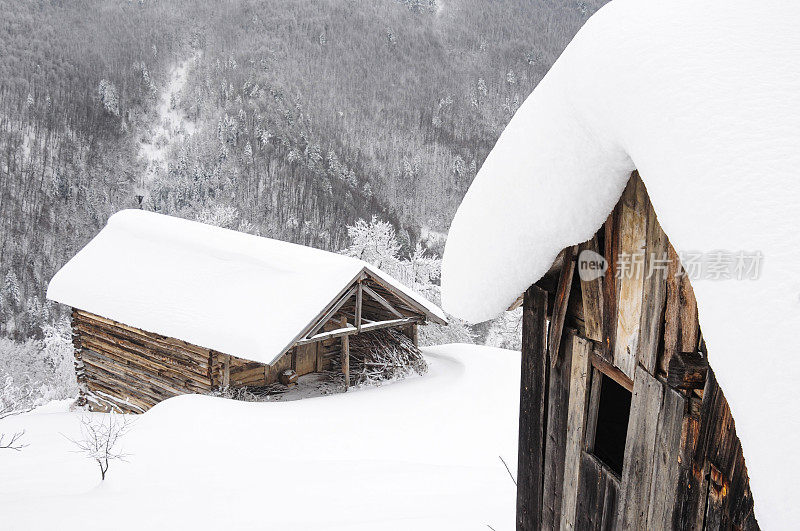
x=296, y=118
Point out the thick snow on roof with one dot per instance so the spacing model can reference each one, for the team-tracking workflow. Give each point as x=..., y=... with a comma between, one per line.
x=232, y=292
x=703, y=98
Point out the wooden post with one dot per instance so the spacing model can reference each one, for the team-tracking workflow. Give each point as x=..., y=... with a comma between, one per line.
x=226, y=372
x=415, y=334
x=532, y=410
x=359, y=298
x=346, y=357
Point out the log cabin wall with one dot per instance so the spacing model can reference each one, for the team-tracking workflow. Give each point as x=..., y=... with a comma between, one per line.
x=683, y=465
x=128, y=370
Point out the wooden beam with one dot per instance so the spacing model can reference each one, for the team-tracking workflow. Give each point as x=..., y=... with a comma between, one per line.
x=383, y=302
x=366, y=327
x=610, y=370
x=346, y=357
x=560, y=306
x=532, y=410
x=330, y=313
x=359, y=301
x=226, y=371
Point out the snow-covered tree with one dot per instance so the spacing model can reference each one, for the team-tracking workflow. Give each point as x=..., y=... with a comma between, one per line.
x=109, y=97
x=506, y=331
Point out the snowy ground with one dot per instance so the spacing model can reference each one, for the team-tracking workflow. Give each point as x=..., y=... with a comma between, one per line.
x=416, y=454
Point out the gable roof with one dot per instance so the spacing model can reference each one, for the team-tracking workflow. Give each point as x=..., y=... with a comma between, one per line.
x=236, y=293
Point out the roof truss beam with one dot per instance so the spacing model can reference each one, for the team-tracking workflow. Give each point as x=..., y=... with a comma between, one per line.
x=383, y=302
x=330, y=313
x=368, y=327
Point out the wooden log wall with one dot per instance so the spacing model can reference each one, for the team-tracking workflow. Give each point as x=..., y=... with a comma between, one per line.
x=683, y=464
x=130, y=370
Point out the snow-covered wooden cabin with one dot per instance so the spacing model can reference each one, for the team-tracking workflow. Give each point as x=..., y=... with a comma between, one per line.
x=164, y=306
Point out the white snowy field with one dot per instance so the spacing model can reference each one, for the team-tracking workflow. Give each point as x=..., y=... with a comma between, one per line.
x=416, y=454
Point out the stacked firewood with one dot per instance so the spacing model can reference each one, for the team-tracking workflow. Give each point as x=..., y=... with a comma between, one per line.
x=381, y=355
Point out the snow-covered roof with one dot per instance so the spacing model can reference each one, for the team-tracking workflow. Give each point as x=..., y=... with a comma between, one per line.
x=703, y=98
x=236, y=293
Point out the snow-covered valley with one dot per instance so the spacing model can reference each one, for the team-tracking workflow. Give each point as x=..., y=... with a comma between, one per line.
x=422, y=453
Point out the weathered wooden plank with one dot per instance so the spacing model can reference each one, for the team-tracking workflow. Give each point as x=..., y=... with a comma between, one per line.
x=637, y=471
x=556, y=437
x=692, y=489
x=687, y=370
x=532, y=410
x=666, y=457
x=598, y=492
x=609, y=520
x=561, y=301
x=681, y=329
x=612, y=371
x=306, y=358
x=591, y=293
x=610, y=295
x=654, y=292
x=632, y=234
x=578, y=396
x=593, y=408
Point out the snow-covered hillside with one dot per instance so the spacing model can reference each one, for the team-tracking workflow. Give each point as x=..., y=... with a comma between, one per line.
x=417, y=454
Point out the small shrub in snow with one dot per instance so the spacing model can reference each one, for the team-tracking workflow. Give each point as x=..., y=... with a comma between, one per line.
x=100, y=439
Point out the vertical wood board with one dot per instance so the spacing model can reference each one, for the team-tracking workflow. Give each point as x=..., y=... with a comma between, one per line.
x=578, y=394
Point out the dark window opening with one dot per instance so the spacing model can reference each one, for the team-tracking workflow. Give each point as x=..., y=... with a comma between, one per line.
x=613, y=410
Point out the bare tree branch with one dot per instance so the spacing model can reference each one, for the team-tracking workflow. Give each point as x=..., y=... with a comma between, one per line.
x=508, y=469
x=12, y=442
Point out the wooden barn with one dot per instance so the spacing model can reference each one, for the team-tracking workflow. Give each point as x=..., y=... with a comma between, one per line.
x=163, y=306
x=622, y=422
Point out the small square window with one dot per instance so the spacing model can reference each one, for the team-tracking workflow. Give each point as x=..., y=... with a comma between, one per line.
x=611, y=427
